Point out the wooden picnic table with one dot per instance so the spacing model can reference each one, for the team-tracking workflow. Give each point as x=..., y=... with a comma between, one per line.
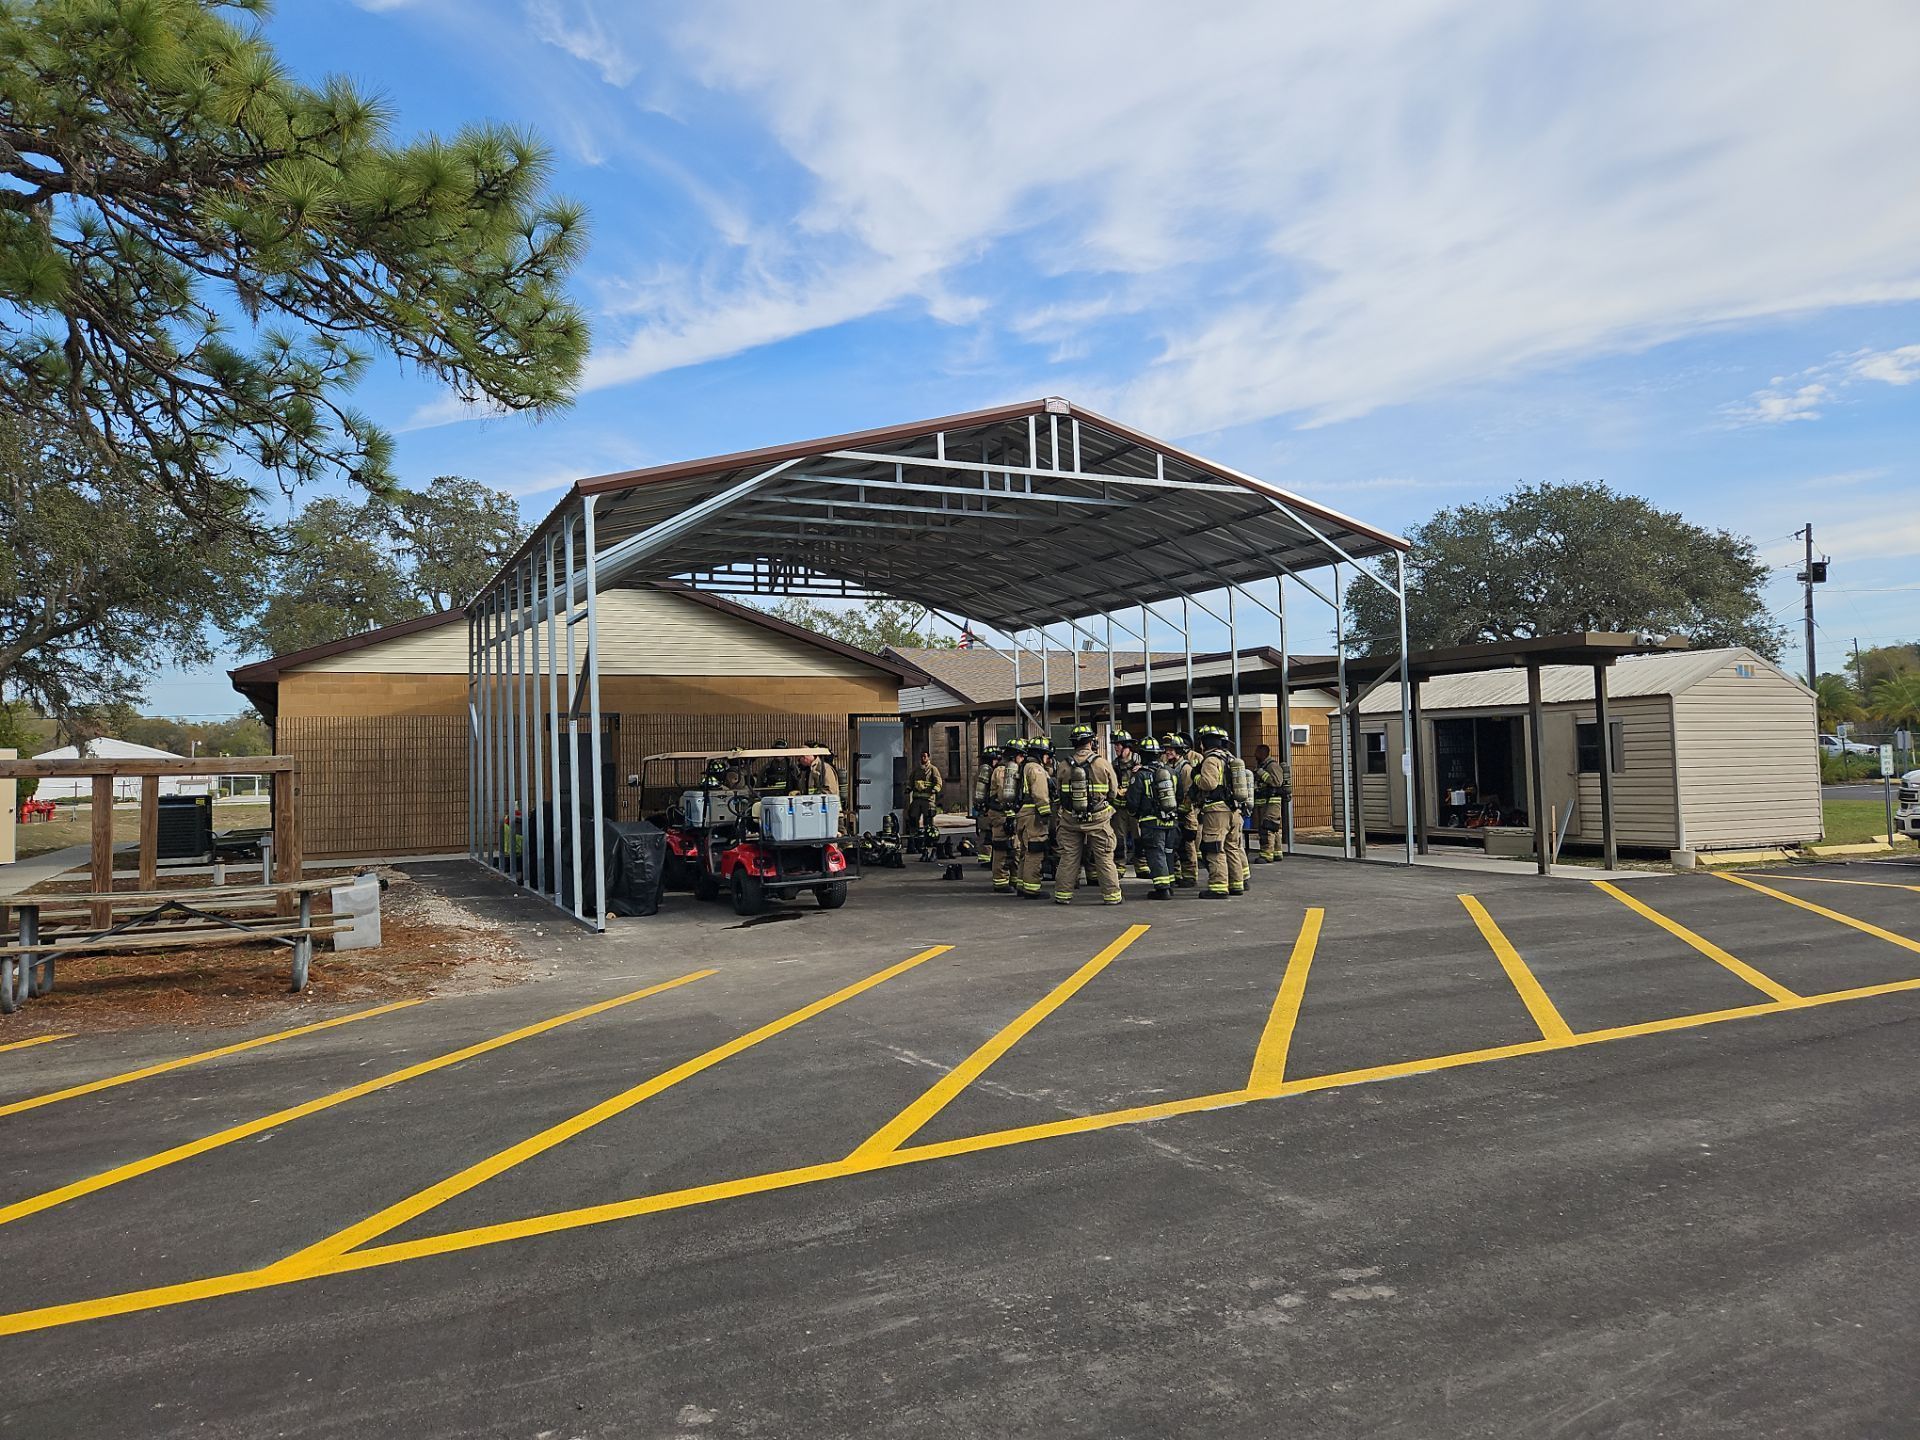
x=164, y=918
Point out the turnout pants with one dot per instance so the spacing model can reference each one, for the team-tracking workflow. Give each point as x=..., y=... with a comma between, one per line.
x=1272, y=819
x=1237, y=862
x=1226, y=863
x=1188, y=869
x=1089, y=842
x=999, y=850
x=919, y=817
x=1030, y=843
x=1156, y=852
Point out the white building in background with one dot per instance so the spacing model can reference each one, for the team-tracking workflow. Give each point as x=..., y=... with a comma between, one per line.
x=126, y=787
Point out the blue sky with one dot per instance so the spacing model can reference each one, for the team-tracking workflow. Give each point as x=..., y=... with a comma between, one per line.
x=1393, y=257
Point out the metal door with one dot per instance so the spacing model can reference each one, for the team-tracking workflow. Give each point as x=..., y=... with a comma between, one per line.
x=882, y=755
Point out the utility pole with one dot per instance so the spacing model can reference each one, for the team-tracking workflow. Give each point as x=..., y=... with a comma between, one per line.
x=1814, y=574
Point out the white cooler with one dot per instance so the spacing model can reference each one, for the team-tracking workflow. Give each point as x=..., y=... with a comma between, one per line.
x=800, y=817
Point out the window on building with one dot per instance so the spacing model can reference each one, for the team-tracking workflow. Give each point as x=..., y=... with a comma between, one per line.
x=952, y=767
x=1587, y=742
x=1300, y=734
x=1376, y=752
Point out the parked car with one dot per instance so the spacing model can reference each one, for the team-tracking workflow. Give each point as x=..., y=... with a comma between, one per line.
x=1834, y=745
x=1906, y=820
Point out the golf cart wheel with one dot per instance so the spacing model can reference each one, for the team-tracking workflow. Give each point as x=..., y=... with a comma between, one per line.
x=749, y=895
x=831, y=896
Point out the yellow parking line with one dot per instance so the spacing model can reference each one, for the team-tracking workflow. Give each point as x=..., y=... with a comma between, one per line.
x=36, y=1040
x=399, y=1213
x=1874, y=930
x=93, y=1087
x=1270, y=1058
x=1836, y=880
x=890, y=1136
x=46, y=1200
x=1765, y=984
x=1552, y=1026
x=372, y=1257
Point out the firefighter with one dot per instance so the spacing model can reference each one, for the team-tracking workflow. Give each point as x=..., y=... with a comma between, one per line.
x=1153, y=799
x=983, y=835
x=815, y=776
x=1223, y=790
x=1034, y=819
x=776, y=776
x=1186, y=864
x=1003, y=805
x=923, y=802
x=1126, y=828
x=1084, y=808
x=1272, y=788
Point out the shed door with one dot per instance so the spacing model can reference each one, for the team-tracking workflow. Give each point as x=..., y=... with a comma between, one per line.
x=883, y=749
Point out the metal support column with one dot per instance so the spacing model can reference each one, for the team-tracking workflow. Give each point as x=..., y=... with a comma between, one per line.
x=1186, y=644
x=593, y=720
x=1349, y=764
x=1603, y=724
x=554, y=720
x=1419, y=752
x=1146, y=674
x=1409, y=741
x=1233, y=662
x=1286, y=711
x=1537, y=774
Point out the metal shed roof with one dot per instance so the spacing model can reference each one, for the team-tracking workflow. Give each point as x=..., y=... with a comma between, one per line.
x=1634, y=676
x=1027, y=513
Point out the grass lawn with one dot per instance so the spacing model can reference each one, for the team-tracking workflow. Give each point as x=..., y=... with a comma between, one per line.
x=74, y=826
x=1853, y=822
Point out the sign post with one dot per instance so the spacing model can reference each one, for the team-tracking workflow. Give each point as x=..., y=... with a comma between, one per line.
x=1886, y=784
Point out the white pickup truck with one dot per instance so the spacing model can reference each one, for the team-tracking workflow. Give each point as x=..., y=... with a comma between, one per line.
x=1906, y=818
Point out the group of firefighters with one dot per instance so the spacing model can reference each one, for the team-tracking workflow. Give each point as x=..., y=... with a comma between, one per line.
x=1171, y=807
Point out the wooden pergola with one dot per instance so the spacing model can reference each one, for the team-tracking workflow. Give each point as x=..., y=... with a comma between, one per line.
x=103, y=772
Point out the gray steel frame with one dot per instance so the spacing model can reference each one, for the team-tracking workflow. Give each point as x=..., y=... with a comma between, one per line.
x=861, y=536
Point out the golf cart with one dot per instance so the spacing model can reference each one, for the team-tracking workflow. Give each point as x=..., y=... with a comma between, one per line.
x=724, y=839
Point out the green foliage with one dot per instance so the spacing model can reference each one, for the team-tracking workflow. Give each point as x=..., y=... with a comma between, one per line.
x=1896, y=700
x=1840, y=769
x=242, y=735
x=17, y=734
x=194, y=246
x=1885, y=662
x=1555, y=559
x=345, y=568
x=872, y=625
x=1837, y=700
x=99, y=578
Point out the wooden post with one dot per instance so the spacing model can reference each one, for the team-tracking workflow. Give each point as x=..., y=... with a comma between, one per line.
x=286, y=832
x=149, y=832
x=1603, y=724
x=1416, y=747
x=101, y=851
x=1536, y=771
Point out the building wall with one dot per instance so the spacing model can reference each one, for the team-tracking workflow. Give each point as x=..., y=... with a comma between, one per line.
x=381, y=732
x=1749, y=762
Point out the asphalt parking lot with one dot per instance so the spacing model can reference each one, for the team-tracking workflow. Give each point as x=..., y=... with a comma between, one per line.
x=1350, y=1156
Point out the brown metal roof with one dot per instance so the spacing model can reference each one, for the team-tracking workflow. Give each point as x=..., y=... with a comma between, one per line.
x=968, y=513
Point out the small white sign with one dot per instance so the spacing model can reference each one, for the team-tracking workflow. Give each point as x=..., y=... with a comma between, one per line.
x=1406, y=763
x=1886, y=760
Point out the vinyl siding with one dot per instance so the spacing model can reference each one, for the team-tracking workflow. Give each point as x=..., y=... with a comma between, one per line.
x=1750, y=769
x=1643, y=795
x=1643, y=803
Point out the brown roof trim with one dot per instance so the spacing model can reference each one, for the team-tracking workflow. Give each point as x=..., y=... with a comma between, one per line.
x=268, y=670
x=911, y=674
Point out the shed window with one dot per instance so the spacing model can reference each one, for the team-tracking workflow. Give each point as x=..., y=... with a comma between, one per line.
x=1587, y=738
x=1376, y=752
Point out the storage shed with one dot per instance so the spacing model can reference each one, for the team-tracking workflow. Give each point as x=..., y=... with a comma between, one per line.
x=380, y=721
x=1711, y=749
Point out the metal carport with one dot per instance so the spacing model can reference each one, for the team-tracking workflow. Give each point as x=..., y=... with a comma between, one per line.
x=1041, y=522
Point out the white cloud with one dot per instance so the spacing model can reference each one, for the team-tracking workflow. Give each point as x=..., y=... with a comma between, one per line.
x=577, y=27
x=1776, y=404
x=1336, y=209
x=1894, y=367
